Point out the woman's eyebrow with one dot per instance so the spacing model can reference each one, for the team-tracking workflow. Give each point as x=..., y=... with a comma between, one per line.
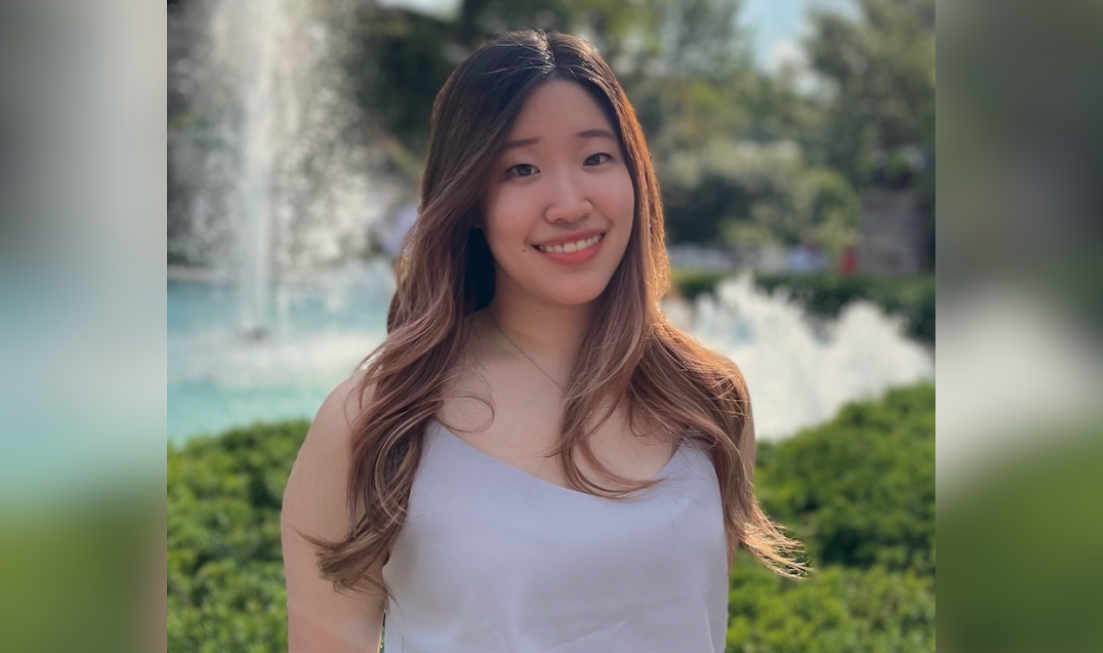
x=588, y=133
x=523, y=142
x=597, y=133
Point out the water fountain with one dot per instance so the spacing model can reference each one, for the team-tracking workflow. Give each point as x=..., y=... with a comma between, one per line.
x=280, y=208
x=274, y=164
x=277, y=156
x=800, y=373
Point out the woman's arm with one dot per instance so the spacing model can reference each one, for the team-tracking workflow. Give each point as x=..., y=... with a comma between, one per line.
x=319, y=618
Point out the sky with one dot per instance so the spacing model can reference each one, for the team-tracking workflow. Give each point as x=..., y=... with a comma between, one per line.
x=776, y=25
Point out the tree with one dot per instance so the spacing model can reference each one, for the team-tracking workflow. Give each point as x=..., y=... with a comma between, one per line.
x=673, y=57
x=880, y=76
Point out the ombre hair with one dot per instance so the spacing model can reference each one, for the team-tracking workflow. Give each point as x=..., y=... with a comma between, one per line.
x=631, y=358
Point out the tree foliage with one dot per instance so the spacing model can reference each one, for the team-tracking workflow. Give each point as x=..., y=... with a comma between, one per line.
x=880, y=77
x=404, y=56
x=740, y=194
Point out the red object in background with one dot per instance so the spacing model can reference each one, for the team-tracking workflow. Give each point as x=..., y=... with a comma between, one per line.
x=848, y=262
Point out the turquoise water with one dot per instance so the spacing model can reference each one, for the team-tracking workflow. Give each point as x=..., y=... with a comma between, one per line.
x=319, y=333
x=799, y=372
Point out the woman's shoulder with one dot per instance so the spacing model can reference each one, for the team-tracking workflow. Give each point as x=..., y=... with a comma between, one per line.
x=315, y=507
x=344, y=404
x=315, y=496
x=327, y=446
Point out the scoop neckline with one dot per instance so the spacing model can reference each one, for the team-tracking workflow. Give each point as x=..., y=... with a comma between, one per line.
x=663, y=473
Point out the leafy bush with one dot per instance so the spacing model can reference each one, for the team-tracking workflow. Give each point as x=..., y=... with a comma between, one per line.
x=836, y=609
x=691, y=283
x=825, y=295
x=859, y=491
x=225, y=567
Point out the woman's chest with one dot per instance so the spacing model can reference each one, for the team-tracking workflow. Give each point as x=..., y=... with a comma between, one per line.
x=472, y=517
x=523, y=433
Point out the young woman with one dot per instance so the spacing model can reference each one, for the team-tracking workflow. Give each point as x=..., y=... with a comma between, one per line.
x=534, y=459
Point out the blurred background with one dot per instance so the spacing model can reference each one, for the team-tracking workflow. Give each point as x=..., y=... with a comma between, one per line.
x=795, y=143
x=795, y=148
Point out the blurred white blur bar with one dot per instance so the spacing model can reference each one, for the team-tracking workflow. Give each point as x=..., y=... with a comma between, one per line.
x=1020, y=311
x=1020, y=306
x=81, y=243
x=1016, y=372
x=82, y=353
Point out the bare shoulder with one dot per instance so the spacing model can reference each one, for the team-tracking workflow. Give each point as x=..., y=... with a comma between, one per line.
x=316, y=488
x=315, y=504
x=339, y=411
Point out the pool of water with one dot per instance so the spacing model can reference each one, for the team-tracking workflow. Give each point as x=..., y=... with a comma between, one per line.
x=799, y=373
x=319, y=332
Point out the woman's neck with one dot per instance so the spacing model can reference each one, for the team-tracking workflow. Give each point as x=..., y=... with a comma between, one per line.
x=550, y=334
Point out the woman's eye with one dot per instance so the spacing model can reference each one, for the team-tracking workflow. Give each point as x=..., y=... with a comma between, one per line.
x=597, y=159
x=523, y=170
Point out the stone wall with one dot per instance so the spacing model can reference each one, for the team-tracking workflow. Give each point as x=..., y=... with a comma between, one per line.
x=894, y=234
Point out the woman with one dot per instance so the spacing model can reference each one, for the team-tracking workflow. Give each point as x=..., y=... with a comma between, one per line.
x=534, y=459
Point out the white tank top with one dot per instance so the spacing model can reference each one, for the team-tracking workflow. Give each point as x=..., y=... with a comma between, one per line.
x=494, y=560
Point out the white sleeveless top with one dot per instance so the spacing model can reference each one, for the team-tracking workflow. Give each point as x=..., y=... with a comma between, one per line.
x=494, y=560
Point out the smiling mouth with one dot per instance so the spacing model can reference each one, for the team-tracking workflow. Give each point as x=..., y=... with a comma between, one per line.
x=568, y=248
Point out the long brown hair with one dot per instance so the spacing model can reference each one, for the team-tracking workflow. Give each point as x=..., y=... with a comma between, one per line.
x=632, y=358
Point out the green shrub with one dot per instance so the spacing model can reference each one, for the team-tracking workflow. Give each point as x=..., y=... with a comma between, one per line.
x=860, y=490
x=837, y=609
x=225, y=566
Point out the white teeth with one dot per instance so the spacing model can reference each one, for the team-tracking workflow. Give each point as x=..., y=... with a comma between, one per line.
x=570, y=247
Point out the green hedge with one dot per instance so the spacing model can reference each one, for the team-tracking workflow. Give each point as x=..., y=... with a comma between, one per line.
x=837, y=609
x=825, y=295
x=858, y=490
x=225, y=567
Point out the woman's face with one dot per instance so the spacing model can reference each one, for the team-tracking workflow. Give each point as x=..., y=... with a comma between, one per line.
x=558, y=210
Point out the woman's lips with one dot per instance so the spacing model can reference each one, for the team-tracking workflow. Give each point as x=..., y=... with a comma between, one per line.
x=577, y=256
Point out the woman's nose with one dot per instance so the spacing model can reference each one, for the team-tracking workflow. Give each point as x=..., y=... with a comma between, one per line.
x=568, y=202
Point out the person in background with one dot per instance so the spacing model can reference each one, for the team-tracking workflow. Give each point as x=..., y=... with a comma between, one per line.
x=807, y=257
x=848, y=261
